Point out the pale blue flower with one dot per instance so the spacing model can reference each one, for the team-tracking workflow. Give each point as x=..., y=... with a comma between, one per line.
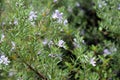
x=77, y=4
x=55, y=1
x=61, y=43
x=32, y=15
x=39, y=52
x=106, y=52
x=57, y=15
x=15, y=22
x=100, y=6
x=4, y=60
x=45, y=42
x=92, y=61
x=65, y=22
x=119, y=7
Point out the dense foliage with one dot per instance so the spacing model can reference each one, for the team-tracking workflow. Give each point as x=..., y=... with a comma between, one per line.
x=59, y=40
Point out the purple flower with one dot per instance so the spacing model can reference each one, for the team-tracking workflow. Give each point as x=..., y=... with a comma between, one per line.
x=106, y=52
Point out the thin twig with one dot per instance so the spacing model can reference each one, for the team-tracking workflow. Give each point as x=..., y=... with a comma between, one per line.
x=38, y=73
x=35, y=71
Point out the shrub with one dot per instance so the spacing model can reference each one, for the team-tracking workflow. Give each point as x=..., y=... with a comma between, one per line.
x=59, y=40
